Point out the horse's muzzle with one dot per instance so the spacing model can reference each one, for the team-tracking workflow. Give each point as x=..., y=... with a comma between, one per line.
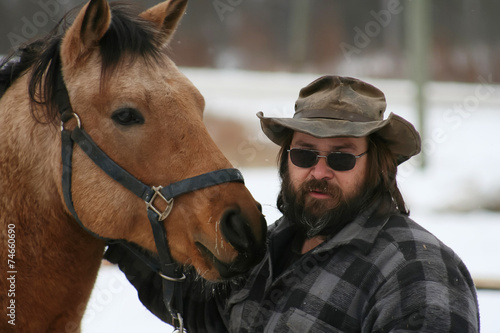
x=251, y=247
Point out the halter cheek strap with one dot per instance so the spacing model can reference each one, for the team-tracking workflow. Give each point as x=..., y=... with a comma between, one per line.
x=145, y=192
x=170, y=271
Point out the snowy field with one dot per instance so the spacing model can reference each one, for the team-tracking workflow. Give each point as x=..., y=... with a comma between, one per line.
x=449, y=197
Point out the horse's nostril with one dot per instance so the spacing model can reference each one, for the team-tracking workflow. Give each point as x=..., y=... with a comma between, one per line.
x=235, y=228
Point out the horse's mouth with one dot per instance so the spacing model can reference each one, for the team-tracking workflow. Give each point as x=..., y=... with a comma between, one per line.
x=226, y=270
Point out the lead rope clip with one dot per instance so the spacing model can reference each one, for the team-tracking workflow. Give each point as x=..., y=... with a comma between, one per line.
x=181, y=328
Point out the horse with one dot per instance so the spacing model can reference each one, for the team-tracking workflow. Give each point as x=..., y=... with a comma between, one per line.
x=126, y=97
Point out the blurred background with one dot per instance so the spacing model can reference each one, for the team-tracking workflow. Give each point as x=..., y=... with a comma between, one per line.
x=438, y=63
x=416, y=43
x=358, y=37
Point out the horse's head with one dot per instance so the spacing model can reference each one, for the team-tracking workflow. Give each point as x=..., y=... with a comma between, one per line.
x=147, y=116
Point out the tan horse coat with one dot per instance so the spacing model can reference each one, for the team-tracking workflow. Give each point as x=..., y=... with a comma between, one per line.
x=56, y=262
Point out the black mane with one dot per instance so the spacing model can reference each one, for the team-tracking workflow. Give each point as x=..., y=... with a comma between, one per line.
x=128, y=34
x=13, y=66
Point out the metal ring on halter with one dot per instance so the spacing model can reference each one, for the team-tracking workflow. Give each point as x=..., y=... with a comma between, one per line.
x=169, y=278
x=74, y=115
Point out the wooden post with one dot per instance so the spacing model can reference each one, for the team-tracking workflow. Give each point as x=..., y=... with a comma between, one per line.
x=418, y=32
x=298, y=33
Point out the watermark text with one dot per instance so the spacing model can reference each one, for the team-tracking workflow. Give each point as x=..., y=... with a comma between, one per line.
x=11, y=274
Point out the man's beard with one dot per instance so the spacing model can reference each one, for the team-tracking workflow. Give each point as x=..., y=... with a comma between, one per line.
x=323, y=217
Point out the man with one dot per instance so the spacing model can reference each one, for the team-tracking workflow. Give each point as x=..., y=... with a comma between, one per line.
x=345, y=256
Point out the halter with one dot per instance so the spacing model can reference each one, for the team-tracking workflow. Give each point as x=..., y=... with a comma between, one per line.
x=169, y=271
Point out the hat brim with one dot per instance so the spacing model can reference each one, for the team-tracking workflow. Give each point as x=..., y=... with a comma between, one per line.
x=402, y=137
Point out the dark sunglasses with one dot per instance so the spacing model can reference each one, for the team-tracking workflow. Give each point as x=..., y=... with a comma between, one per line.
x=338, y=161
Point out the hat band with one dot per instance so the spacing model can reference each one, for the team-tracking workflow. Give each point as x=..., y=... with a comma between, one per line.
x=327, y=113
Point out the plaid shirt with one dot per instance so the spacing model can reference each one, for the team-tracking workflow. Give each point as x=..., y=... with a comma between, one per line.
x=376, y=275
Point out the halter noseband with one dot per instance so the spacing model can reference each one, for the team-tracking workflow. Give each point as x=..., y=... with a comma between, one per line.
x=168, y=269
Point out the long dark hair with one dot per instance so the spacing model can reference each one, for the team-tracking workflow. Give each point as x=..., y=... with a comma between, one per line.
x=382, y=170
x=282, y=160
x=381, y=177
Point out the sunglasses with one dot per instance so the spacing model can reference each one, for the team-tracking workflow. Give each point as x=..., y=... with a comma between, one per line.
x=306, y=158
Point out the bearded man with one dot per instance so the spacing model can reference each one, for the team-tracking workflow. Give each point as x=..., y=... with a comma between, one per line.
x=345, y=256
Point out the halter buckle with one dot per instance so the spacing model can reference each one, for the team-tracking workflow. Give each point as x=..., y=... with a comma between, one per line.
x=170, y=204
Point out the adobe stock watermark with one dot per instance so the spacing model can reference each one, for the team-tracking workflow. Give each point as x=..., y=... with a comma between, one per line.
x=372, y=29
x=251, y=147
x=11, y=274
x=50, y=11
x=256, y=143
x=303, y=268
x=454, y=117
x=102, y=298
x=225, y=7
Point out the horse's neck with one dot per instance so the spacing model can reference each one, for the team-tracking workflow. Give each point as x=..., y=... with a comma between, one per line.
x=30, y=160
x=50, y=245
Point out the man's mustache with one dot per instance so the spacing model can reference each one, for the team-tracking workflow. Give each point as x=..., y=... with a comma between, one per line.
x=322, y=186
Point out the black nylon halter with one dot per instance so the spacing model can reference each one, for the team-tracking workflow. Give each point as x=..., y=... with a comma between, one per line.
x=170, y=272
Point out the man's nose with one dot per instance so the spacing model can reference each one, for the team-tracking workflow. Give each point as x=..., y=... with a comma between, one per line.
x=321, y=170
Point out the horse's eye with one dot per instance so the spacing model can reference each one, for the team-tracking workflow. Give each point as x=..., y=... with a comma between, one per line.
x=127, y=117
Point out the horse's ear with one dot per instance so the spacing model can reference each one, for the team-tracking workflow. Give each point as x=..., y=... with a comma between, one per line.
x=88, y=28
x=166, y=16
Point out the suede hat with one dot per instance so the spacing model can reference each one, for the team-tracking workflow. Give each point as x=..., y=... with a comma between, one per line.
x=335, y=106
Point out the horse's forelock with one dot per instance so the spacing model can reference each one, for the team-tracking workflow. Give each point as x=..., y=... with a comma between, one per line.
x=128, y=38
x=128, y=35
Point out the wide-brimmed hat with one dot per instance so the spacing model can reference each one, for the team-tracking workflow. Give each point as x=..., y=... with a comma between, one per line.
x=335, y=106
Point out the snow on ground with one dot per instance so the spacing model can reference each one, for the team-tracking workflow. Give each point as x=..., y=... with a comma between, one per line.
x=447, y=197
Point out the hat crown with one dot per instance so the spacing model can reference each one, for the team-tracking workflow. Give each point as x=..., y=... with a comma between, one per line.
x=341, y=98
x=334, y=106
